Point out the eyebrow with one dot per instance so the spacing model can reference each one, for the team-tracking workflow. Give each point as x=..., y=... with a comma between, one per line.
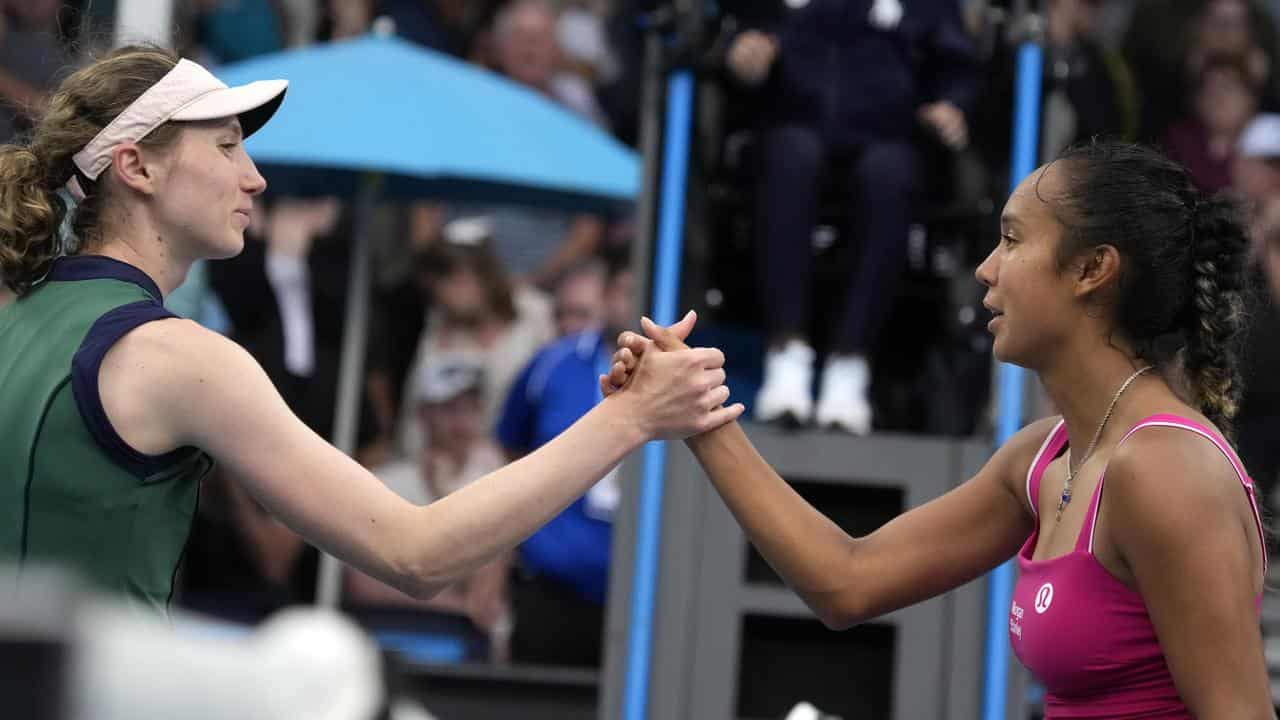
x=1008, y=219
x=231, y=125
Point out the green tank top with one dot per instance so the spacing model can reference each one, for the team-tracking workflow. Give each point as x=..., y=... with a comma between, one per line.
x=72, y=492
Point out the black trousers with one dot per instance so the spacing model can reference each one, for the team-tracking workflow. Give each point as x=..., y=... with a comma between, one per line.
x=881, y=183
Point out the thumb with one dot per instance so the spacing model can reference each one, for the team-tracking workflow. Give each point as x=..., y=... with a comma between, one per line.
x=664, y=338
x=684, y=326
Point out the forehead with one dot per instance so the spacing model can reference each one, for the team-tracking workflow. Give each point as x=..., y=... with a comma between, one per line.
x=202, y=128
x=196, y=139
x=1027, y=204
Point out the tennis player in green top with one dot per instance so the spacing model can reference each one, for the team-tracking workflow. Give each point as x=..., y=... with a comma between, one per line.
x=112, y=409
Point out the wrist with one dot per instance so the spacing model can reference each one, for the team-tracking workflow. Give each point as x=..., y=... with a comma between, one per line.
x=704, y=440
x=625, y=421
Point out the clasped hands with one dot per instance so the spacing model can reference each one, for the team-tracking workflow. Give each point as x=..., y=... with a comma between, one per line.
x=640, y=360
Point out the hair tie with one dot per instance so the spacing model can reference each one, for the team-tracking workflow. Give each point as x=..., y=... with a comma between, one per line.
x=65, y=237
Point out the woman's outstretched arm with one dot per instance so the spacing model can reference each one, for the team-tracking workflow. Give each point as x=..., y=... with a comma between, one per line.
x=846, y=580
x=172, y=383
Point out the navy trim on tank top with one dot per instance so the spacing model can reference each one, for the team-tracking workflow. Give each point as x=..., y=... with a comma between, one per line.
x=99, y=267
x=87, y=361
x=106, y=331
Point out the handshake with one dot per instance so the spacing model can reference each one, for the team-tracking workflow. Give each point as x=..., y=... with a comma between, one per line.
x=676, y=391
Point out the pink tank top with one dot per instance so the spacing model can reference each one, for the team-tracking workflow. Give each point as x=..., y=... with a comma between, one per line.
x=1083, y=634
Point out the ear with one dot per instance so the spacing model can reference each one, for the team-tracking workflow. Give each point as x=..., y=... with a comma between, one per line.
x=134, y=167
x=1097, y=270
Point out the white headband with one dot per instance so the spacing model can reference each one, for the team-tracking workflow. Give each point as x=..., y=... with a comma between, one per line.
x=187, y=92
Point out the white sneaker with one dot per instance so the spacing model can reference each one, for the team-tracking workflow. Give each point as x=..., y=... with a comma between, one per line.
x=842, y=400
x=788, y=380
x=804, y=711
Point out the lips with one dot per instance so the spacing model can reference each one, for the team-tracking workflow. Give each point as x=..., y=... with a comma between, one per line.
x=996, y=314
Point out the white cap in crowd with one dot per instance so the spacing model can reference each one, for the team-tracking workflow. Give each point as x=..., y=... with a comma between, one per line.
x=444, y=377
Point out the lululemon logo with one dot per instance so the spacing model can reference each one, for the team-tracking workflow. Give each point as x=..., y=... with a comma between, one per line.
x=1044, y=598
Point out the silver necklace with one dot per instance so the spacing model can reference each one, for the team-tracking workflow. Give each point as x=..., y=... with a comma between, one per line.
x=1065, y=499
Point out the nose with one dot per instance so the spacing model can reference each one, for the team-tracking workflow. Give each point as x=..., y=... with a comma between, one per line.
x=986, y=270
x=253, y=183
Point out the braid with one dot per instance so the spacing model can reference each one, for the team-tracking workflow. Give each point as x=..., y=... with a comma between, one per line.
x=1214, y=320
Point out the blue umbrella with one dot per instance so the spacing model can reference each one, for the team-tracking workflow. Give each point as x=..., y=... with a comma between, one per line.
x=432, y=125
x=377, y=115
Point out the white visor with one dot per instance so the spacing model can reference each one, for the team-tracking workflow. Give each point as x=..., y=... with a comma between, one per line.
x=188, y=92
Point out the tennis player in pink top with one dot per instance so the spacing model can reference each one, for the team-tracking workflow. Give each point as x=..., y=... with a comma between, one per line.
x=1132, y=520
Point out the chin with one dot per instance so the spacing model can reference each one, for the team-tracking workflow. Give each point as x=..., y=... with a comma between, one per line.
x=998, y=354
x=1019, y=356
x=230, y=248
x=1004, y=355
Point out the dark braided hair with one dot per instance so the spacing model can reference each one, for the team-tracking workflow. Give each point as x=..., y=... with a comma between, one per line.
x=1182, y=280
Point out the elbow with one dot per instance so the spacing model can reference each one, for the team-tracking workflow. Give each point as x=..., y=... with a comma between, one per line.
x=840, y=612
x=841, y=618
x=425, y=591
x=421, y=583
x=836, y=621
x=852, y=601
x=418, y=579
x=415, y=568
x=419, y=587
x=839, y=621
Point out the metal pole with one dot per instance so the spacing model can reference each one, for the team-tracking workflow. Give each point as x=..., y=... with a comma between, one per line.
x=665, y=295
x=144, y=21
x=355, y=335
x=650, y=147
x=619, y=612
x=1026, y=131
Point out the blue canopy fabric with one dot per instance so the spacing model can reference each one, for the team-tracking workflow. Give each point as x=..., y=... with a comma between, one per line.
x=431, y=125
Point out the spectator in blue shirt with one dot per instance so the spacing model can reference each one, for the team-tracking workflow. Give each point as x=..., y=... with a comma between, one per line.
x=558, y=589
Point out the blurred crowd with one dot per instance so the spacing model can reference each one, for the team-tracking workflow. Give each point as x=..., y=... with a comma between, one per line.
x=490, y=322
